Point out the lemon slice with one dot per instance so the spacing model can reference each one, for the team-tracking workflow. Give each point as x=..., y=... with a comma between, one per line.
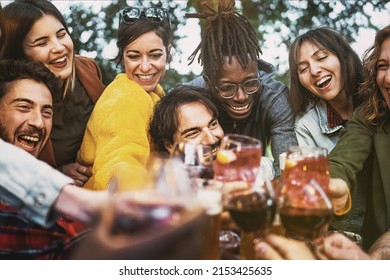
x=225, y=156
x=290, y=163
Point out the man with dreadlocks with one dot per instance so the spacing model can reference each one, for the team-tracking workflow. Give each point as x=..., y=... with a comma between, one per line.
x=248, y=99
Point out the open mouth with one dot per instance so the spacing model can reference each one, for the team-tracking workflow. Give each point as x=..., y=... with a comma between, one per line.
x=145, y=78
x=324, y=82
x=59, y=60
x=28, y=142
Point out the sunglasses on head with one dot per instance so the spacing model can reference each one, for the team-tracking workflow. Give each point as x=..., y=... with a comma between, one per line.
x=132, y=14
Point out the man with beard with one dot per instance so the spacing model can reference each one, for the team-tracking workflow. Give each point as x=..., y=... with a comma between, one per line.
x=26, y=99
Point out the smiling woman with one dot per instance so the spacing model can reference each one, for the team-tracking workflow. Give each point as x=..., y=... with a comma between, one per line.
x=116, y=139
x=36, y=31
x=325, y=73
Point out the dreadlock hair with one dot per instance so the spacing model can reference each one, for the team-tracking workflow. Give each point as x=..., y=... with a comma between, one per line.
x=227, y=33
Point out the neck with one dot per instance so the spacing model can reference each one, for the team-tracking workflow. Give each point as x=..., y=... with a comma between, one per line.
x=343, y=105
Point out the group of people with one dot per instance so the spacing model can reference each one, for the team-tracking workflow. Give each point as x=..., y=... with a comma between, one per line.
x=54, y=105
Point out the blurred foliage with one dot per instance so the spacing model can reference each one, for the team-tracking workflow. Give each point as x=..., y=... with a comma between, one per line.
x=92, y=31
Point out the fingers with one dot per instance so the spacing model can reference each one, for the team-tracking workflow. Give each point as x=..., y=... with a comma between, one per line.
x=264, y=251
x=277, y=247
x=79, y=173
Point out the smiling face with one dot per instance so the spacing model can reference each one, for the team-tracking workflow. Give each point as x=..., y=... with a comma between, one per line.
x=145, y=60
x=197, y=125
x=26, y=115
x=319, y=71
x=240, y=106
x=49, y=43
x=383, y=71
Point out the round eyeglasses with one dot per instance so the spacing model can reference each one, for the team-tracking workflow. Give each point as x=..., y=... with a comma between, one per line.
x=131, y=14
x=229, y=90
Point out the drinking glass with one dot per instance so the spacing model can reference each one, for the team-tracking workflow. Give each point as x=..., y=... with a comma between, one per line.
x=165, y=195
x=248, y=196
x=305, y=209
x=197, y=158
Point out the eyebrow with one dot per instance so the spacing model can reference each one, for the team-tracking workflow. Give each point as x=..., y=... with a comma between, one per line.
x=196, y=127
x=153, y=50
x=29, y=102
x=314, y=54
x=44, y=37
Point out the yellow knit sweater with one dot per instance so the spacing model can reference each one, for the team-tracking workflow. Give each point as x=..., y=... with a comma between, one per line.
x=116, y=140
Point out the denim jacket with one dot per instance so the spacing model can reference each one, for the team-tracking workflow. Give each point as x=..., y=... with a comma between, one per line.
x=312, y=129
x=271, y=119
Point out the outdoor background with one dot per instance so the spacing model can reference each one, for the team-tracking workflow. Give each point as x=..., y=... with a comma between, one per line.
x=93, y=25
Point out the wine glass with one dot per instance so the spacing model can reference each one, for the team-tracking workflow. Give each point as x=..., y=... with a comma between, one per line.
x=248, y=196
x=164, y=197
x=198, y=159
x=305, y=209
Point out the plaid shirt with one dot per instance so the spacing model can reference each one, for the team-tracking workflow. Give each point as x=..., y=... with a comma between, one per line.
x=334, y=118
x=22, y=239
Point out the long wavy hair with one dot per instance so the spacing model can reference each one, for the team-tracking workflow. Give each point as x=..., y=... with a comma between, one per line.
x=375, y=109
x=332, y=41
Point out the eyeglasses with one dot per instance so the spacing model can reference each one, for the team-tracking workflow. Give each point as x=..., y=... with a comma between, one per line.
x=132, y=14
x=229, y=90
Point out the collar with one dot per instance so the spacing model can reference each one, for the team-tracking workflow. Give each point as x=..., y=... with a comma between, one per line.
x=334, y=118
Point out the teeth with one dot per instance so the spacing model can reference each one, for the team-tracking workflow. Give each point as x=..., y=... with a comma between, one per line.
x=243, y=108
x=62, y=59
x=323, y=80
x=30, y=138
x=145, y=77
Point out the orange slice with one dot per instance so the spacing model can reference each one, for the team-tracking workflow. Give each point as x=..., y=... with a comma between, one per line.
x=225, y=156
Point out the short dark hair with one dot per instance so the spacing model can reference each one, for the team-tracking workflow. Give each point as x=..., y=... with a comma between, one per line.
x=129, y=32
x=13, y=70
x=226, y=34
x=332, y=41
x=164, y=123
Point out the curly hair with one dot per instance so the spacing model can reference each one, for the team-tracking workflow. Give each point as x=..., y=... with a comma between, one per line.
x=12, y=70
x=332, y=41
x=375, y=108
x=227, y=33
x=165, y=122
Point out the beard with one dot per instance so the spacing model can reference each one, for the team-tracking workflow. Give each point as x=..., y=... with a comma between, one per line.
x=3, y=132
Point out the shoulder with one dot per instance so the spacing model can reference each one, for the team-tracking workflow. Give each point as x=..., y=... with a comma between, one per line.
x=83, y=61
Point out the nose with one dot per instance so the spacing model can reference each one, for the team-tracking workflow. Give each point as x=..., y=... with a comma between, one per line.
x=36, y=120
x=240, y=95
x=57, y=46
x=315, y=69
x=145, y=65
x=208, y=137
x=387, y=77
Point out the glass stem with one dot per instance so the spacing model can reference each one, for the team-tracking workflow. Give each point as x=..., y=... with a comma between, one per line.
x=247, y=250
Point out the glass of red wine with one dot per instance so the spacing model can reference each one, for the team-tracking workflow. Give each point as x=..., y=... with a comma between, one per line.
x=248, y=196
x=305, y=209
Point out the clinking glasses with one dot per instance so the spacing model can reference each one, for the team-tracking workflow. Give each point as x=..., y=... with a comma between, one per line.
x=132, y=14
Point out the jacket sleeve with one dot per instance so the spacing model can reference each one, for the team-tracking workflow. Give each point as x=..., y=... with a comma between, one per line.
x=355, y=145
x=279, y=120
x=117, y=137
x=28, y=184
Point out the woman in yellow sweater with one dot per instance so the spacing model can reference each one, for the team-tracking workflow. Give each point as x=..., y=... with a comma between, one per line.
x=116, y=139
